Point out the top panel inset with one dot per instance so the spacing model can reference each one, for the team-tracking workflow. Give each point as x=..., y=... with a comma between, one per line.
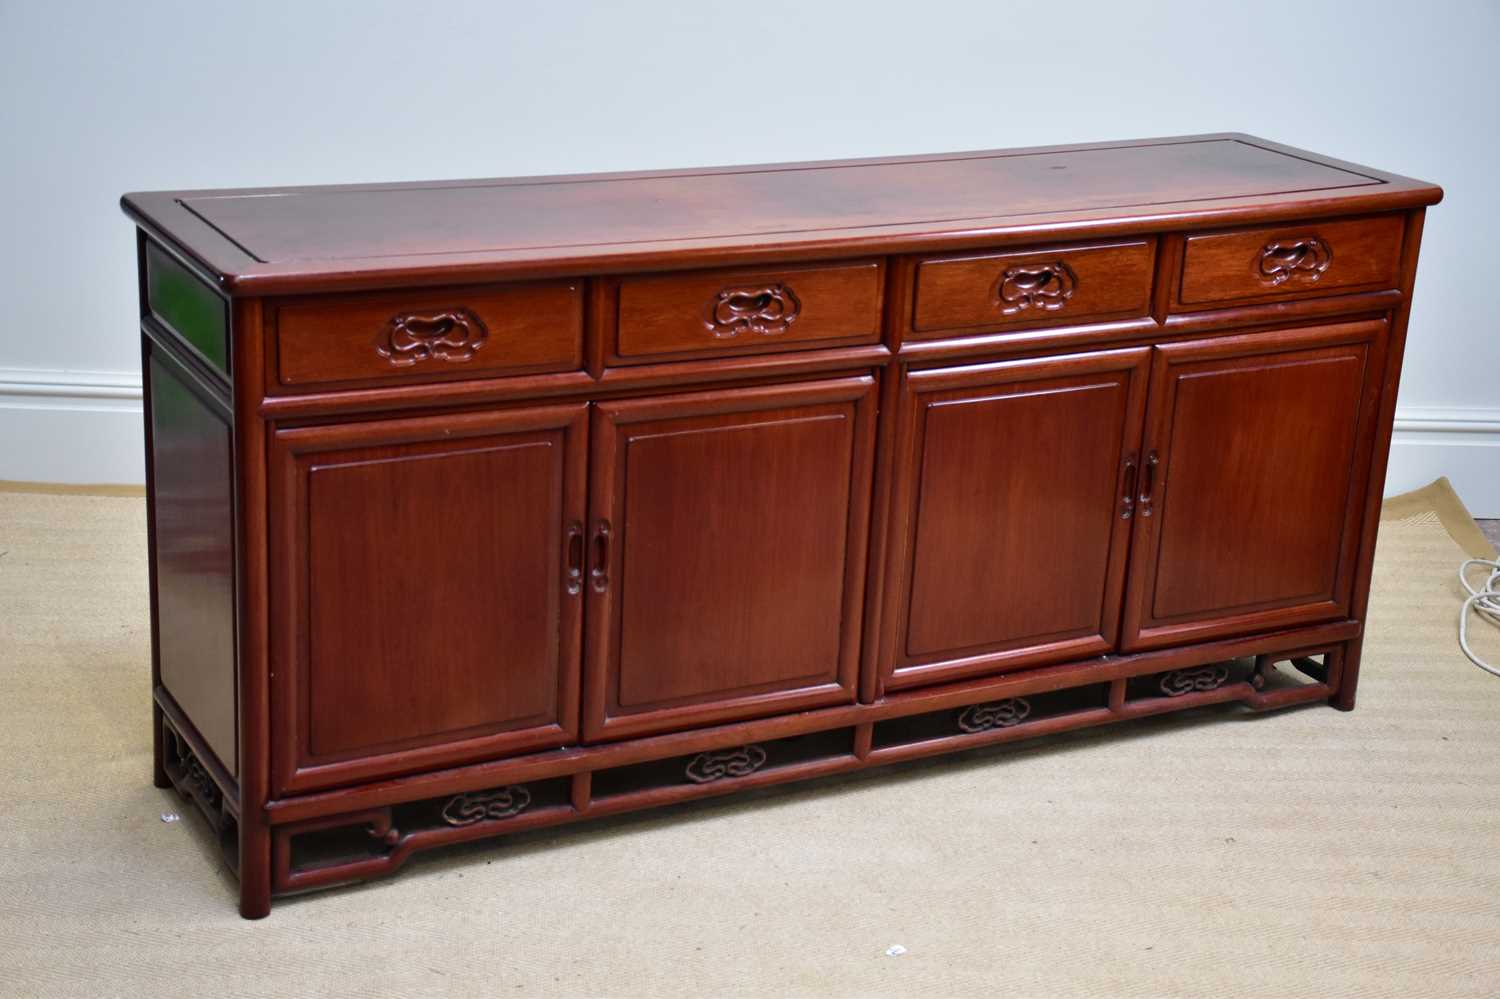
x=323, y=234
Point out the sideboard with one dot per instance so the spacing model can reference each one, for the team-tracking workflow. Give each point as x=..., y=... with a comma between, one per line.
x=480, y=506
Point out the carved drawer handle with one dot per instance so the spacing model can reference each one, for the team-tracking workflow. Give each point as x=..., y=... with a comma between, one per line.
x=1302, y=259
x=764, y=309
x=448, y=335
x=1035, y=286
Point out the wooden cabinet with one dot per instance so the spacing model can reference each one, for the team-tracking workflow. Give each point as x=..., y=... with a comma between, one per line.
x=1254, y=475
x=483, y=506
x=728, y=554
x=428, y=615
x=1014, y=520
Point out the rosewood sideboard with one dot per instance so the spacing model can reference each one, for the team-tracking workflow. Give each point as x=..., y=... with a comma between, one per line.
x=479, y=506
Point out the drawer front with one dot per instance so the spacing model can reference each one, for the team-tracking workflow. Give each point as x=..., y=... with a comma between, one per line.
x=1288, y=261
x=1053, y=284
x=749, y=311
x=431, y=333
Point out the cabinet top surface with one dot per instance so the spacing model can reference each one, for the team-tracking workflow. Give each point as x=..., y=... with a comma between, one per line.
x=293, y=239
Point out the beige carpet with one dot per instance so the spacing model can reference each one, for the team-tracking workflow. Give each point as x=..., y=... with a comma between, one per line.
x=1307, y=853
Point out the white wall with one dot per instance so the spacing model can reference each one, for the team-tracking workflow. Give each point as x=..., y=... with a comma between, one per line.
x=97, y=99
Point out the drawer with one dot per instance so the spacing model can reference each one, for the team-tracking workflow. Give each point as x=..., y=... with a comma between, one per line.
x=749, y=310
x=429, y=333
x=1053, y=284
x=1292, y=260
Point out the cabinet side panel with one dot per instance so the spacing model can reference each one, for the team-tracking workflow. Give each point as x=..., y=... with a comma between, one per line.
x=194, y=530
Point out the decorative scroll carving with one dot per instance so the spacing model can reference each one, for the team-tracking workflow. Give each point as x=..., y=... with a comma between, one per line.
x=1302, y=259
x=453, y=335
x=501, y=803
x=196, y=780
x=719, y=763
x=765, y=309
x=996, y=714
x=1177, y=682
x=1035, y=286
x=191, y=779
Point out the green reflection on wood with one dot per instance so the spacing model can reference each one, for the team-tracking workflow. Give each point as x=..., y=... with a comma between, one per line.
x=188, y=305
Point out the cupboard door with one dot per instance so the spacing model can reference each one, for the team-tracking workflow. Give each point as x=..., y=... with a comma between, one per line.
x=727, y=554
x=1257, y=454
x=427, y=605
x=1011, y=514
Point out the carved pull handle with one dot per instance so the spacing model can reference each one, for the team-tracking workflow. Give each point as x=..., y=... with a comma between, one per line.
x=1127, y=497
x=573, y=547
x=765, y=309
x=447, y=335
x=1302, y=259
x=1148, y=483
x=1035, y=286
x=599, y=574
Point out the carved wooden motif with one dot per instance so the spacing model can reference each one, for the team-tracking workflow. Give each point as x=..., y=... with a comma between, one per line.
x=467, y=809
x=452, y=335
x=720, y=763
x=1046, y=287
x=997, y=714
x=1302, y=259
x=765, y=309
x=1175, y=683
x=191, y=779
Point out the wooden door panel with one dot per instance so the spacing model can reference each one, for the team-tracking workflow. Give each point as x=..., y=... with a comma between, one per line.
x=1011, y=517
x=426, y=620
x=731, y=528
x=1262, y=445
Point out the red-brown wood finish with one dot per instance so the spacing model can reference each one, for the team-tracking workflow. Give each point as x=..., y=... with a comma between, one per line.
x=253, y=580
x=712, y=515
x=535, y=500
x=384, y=235
x=1252, y=481
x=1046, y=285
x=428, y=334
x=1316, y=258
x=433, y=611
x=1013, y=521
x=747, y=310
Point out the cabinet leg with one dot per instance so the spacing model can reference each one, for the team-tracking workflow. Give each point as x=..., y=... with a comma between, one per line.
x=255, y=865
x=1343, y=698
x=158, y=749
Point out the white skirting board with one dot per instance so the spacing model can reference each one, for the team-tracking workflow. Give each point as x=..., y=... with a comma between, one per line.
x=85, y=427
x=1463, y=444
x=71, y=426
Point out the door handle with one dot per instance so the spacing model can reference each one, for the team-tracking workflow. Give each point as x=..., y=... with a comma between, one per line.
x=599, y=574
x=573, y=554
x=1127, y=494
x=1148, y=483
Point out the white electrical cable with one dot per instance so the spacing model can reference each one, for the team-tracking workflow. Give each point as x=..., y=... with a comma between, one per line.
x=1483, y=602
